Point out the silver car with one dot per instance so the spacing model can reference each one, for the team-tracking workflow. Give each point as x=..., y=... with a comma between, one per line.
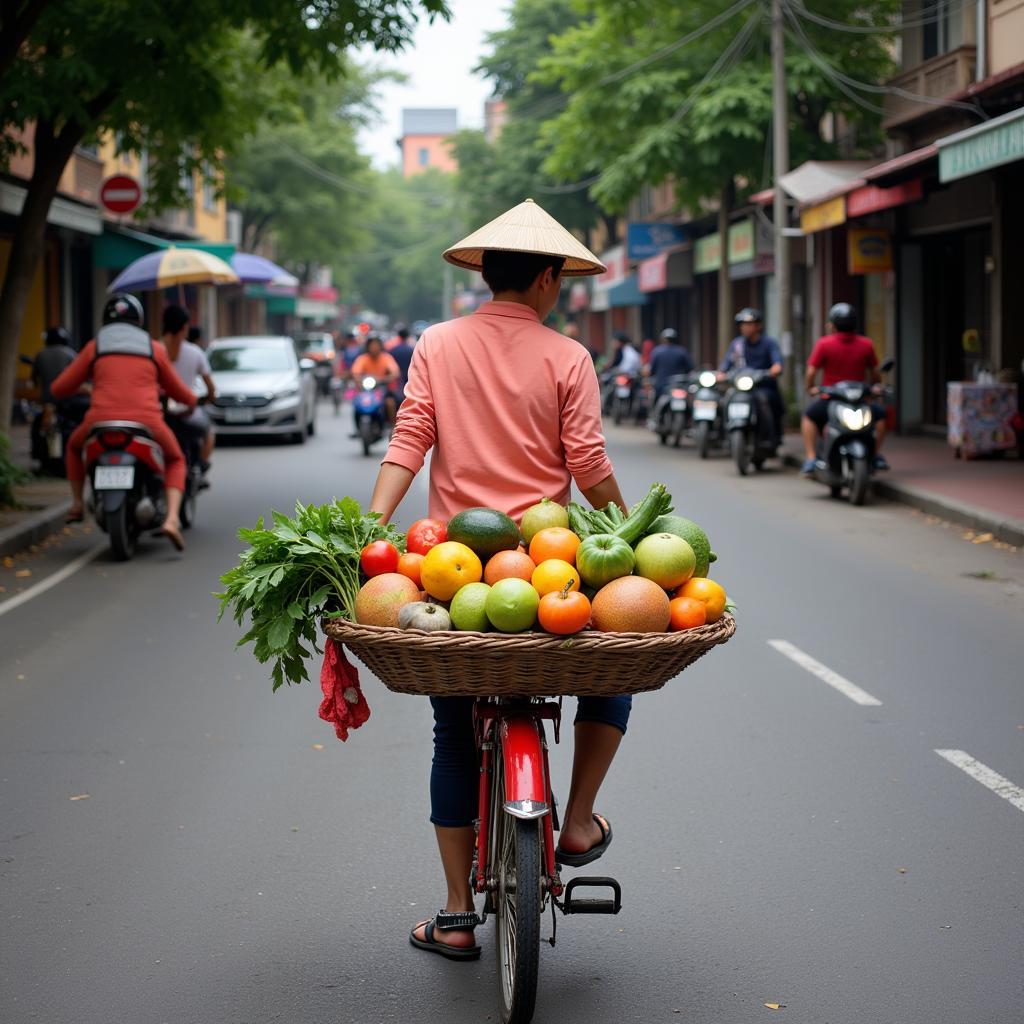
x=262, y=388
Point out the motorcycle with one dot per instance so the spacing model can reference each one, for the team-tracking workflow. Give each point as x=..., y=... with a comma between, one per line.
x=622, y=401
x=708, y=423
x=846, y=447
x=337, y=392
x=51, y=426
x=371, y=416
x=671, y=415
x=125, y=469
x=750, y=421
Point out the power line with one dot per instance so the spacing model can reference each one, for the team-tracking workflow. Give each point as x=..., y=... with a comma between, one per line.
x=937, y=14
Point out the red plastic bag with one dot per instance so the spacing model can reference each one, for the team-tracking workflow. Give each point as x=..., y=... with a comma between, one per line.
x=344, y=705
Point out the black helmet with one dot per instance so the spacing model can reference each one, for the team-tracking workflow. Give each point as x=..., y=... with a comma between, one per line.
x=748, y=315
x=622, y=337
x=669, y=334
x=57, y=336
x=843, y=317
x=401, y=331
x=124, y=309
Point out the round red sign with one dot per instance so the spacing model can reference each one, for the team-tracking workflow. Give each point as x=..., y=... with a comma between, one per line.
x=120, y=194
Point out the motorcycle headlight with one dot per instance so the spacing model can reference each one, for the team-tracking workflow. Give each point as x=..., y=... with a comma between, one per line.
x=855, y=419
x=708, y=379
x=745, y=383
x=369, y=383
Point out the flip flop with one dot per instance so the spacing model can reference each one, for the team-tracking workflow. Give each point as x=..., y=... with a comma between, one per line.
x=174, y=536
x=74, y=517
x=431, y=945
x=577, y=860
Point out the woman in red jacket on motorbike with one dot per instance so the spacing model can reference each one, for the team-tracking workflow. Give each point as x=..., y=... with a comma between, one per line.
x=128, y=370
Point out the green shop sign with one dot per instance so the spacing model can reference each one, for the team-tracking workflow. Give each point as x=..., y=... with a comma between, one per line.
x=998, y=142
x=707, y=251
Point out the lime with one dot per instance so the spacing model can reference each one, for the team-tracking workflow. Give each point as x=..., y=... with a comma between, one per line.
x=512, y=605
x=468, y=607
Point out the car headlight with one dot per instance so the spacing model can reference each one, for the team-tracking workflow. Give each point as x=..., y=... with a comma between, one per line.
x=708, y=379
x=854, y=419
x=290, y=393
x=369, y=383
x=745, y=383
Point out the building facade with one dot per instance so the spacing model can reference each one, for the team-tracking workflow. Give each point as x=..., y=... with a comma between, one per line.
x=425, y=140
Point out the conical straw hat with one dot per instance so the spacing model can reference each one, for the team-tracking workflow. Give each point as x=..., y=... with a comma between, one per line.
x=526, y=228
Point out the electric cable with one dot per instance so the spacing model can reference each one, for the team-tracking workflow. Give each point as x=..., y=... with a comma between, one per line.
x=937, y=14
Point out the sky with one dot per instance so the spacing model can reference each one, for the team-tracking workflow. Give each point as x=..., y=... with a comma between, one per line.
x=438, y=66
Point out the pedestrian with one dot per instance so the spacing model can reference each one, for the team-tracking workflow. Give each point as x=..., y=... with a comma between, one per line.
x=512, y=413
x=50, y=363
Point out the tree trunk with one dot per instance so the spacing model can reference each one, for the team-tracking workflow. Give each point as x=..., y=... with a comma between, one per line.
x=27, y=248
x=725, y=311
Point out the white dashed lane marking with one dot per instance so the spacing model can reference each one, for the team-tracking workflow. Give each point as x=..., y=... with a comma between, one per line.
x=51, y=581
x=983, y=774
x=825, y=674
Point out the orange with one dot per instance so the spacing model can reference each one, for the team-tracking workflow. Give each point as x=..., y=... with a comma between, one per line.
x=553, y=575
x=554, y=542
x=630, y=604
x=409, y=565
x=563, y=612
x=686, y=613
x=508, y=564
x=447, y=567
x=707, y=591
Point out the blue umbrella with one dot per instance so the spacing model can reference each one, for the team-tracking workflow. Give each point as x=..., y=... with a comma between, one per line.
x=166, y=268
x=253, y=269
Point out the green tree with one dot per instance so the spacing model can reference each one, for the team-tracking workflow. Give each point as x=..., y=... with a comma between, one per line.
x=300, y=177
x=685, y=94
x=171, y=76
x=410, y=224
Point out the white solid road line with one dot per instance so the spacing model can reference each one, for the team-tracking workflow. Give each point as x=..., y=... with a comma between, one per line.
x=51, y=581
x=983, y=774
x=824, y=673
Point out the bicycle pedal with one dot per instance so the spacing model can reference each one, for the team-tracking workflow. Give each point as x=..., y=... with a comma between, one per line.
x=590, y=905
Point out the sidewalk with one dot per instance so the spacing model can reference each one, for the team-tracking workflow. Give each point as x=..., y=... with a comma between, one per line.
x=986, y=494
x=44, y=502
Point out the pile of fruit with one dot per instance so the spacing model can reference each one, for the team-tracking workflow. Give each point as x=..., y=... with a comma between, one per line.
x=564, y=570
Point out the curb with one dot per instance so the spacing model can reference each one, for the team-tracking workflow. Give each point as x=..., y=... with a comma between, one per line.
x=1004, y=528
x=33, y=529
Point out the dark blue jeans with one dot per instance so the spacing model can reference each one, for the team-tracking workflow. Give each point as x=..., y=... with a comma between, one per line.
x=455, y=772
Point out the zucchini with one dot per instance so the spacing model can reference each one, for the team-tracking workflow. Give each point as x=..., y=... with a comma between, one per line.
x=579, y=521
x=642, y=515
x=614, y=513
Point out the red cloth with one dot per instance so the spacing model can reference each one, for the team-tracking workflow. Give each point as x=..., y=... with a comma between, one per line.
x=344, y=705
x=843, y=357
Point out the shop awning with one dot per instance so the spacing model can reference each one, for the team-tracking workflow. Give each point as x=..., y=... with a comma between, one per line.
x=983, y=147
x=63, y=213
x=119, y=246
x=872, y=198
x=626, y=294
x=815, y=179
x=901, y=167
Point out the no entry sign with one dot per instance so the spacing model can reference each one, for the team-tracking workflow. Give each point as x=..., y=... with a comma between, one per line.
x=120, y=194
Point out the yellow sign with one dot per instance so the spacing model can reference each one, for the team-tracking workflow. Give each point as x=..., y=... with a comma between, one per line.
x=824, y=215
x=869, y=250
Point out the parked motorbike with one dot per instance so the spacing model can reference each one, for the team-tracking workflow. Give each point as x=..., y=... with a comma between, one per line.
x=671, y=415
x=750, y=421
x=125, y=469
x=622, y=402
x=371, y=416
x=51, y=426
x=708, y=422
x=846, y=447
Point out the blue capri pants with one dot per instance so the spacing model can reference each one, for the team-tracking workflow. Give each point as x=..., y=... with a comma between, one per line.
x=455, y=772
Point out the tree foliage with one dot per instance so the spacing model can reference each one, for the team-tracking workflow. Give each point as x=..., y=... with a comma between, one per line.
x=699, y=114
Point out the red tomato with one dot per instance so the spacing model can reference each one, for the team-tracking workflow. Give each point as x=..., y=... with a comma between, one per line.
x=425, y=534
x=378, y=558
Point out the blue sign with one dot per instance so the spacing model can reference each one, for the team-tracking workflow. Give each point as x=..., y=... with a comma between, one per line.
x=644, y=240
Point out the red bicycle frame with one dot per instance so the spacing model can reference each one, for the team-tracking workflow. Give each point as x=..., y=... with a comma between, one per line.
x=517, y=730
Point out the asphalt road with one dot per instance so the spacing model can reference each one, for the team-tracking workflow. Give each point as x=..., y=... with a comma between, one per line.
x=178, y=844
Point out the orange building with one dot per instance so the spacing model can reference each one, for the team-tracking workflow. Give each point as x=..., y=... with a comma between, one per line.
x=425, y=140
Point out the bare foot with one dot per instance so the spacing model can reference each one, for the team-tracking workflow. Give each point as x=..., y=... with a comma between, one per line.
x=75, y=514
x=579, y=836
x=172, y=531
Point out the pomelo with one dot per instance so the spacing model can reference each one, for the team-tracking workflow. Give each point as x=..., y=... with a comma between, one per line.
x=468, y=607
x=383, y=597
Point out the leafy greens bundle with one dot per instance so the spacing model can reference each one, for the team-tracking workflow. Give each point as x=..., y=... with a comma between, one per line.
x=300, y=570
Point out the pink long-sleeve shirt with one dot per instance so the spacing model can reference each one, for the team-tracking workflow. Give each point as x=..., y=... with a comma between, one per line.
x=511, y=408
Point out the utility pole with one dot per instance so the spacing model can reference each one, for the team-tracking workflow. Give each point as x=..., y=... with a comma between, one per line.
x=780, y=154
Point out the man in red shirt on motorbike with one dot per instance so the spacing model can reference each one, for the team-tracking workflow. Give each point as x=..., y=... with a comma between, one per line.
x=842, y=355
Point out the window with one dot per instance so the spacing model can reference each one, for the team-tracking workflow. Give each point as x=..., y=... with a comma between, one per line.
x=943, y=29
x=209, y=190
x=424, y=157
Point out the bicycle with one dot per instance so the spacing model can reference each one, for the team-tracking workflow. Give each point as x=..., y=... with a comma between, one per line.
x=515, y=864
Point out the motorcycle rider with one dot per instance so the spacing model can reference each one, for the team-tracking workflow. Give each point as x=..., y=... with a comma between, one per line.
x=192, y=366
x=50, y=363
x=752, y=349
x=842, y=355
x=127, y=369
x=669, y=358
x=380, y=365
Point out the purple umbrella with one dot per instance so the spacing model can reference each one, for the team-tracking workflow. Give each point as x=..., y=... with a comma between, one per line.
x=253, y=269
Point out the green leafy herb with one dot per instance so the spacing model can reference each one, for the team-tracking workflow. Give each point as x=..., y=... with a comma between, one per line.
x=295, y=572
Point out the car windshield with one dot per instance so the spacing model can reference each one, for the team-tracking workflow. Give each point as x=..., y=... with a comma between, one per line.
x=250, y=359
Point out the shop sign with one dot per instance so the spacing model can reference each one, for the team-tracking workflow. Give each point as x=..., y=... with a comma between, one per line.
x=320, y=293
x=615, y=261
x=707, y=254
x=745, y=242
x=741, y=242
x=644, y=240
x=652, y=274
x=823, y=215
x=1000, y=141
x=869, y=250
x=873, y=198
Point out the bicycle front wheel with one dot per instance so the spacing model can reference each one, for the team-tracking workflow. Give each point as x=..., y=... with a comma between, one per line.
x=517, y=916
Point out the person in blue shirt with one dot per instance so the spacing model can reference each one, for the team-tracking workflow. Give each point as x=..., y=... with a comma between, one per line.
x=669, y=358
x=401, y=352
x=753, y=350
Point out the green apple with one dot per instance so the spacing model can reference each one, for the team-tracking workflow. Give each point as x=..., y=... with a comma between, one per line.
x=665, y=559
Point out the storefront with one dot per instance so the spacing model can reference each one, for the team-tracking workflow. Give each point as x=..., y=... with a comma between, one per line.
x=667, y=281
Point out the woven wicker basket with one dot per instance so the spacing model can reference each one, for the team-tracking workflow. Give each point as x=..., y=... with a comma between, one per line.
x=450, y=664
